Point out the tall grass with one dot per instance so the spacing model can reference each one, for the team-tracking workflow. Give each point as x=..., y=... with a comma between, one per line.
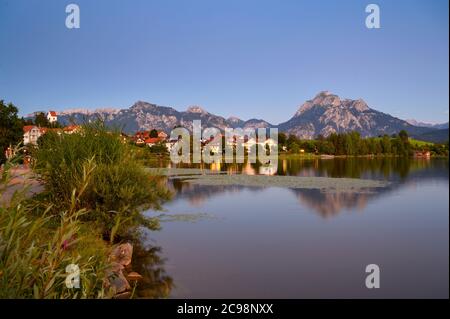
x=95, y=190
x=119, y=188
x=35, y=250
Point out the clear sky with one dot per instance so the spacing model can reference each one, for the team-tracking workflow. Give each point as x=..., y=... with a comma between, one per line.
x=247, y=58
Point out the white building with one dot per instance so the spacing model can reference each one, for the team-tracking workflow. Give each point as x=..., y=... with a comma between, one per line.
x=31, y=133
x=52, y=117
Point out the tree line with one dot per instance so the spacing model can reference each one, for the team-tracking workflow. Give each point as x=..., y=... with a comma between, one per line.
x=353, y=144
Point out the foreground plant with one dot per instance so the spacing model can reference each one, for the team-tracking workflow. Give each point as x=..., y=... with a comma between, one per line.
x=120, y=187
x=35, y=251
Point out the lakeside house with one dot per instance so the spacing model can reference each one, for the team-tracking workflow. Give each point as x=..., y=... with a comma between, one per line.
x=422, y=154
x=144, y=137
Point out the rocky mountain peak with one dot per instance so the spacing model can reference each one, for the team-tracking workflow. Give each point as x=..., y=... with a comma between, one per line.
x=323, y=98
x=196, y=109
x=326, y=113
x=326, y=98
x=233, y=119
x=359, y=105
x=141, y=105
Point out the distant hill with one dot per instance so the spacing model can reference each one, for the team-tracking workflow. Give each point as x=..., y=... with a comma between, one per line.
x=327, y=113
x=429, y=125
x=324, y=114
x=146, y=116
x=435, y=136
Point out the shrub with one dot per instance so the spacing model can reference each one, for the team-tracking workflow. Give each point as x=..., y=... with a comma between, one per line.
x=34, y=253
x=120, y=186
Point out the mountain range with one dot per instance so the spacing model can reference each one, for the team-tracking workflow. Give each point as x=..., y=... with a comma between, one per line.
x=429, y=125
x=324, y=114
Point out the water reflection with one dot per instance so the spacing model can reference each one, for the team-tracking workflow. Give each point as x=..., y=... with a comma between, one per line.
x=270, y=243
x=399, y=171
x=148, y=262
x=397, y=168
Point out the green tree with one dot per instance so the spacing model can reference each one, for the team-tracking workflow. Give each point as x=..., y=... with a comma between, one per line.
x=153, y=133
x=10, y=128
x=386, y=144
x=282, y=139
x=326, y=147
x=159, y=148
x=291, y=140
x=403, y=135
x=294, y=148
x=40, y=119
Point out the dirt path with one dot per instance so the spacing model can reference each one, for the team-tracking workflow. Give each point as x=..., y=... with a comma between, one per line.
x=21, y=177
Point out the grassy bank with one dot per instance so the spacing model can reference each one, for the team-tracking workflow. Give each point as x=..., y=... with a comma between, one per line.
x=94, y=193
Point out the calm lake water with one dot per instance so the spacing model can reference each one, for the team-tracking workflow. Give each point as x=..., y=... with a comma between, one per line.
x=243, y=242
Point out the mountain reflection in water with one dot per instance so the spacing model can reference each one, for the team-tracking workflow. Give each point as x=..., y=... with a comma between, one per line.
x=399, y=171
x=277, y=242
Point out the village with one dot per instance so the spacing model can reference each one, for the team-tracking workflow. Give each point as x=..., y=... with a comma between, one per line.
x=157, y=140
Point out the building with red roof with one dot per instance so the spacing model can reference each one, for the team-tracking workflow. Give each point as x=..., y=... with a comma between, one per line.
x=52, y=117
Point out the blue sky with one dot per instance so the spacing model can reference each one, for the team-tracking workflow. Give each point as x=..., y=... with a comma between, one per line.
x=247, y=58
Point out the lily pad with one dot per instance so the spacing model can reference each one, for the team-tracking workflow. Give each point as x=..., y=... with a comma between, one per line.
x=297, y=182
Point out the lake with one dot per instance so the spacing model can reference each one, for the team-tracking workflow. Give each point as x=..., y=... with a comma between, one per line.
x=277, y=242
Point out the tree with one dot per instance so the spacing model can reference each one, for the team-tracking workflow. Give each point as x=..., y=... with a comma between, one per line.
x=386, y=144
x=282, y=139
x=153, y=133
x=403, y=136
x=159, y=148
x=41, y=120
x=295, y=148
x=291, y=140
x=10, y=128
x=326, y=147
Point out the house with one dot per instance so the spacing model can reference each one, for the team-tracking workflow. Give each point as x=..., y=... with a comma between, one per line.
x=31, y=133
x=71, y=129
x=422, y=154
x=162, y=135
x=142, y=135
x=152, y=141
x=139, y=141
x=52, y=117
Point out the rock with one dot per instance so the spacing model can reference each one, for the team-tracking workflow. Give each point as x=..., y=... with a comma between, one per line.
x=115, y=278
x=115, y=267
x=122, y=254
x=118, y=282
x=134, y=276
x=123, y=295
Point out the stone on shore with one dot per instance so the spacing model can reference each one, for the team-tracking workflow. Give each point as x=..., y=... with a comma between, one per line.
x=116, y=280
x=123, y=254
